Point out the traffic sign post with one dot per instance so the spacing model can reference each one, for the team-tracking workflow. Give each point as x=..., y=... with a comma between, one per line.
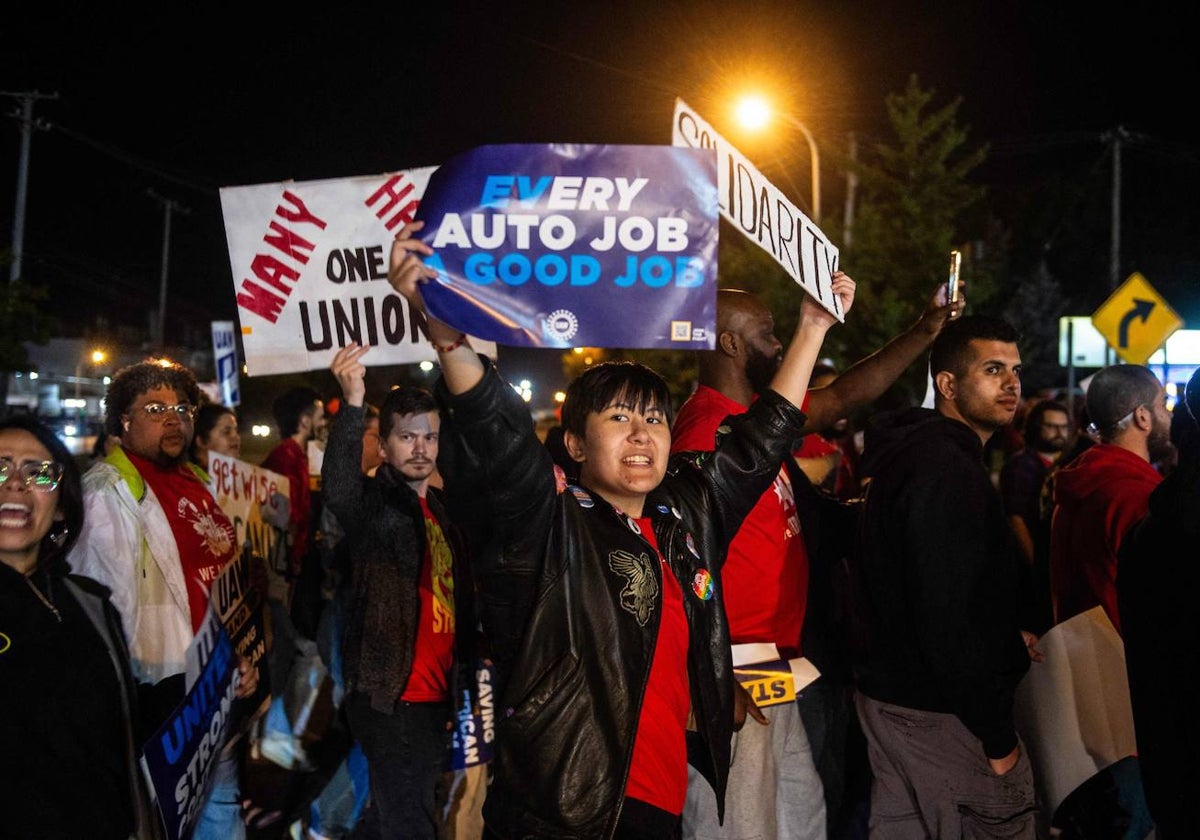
x=1136, y=320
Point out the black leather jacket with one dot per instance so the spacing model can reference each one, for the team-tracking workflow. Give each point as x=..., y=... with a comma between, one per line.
x=572, y=640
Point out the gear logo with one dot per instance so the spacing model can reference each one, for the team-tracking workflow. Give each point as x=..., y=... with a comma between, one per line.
x=561, y=324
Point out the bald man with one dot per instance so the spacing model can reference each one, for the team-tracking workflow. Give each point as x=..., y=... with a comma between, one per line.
x=779, y=785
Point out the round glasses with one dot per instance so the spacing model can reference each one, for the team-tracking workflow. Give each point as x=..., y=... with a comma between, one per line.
x=159, y=412
x=39, y=475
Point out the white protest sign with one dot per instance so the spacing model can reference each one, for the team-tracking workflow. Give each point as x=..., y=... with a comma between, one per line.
x=1073, y=711
x=757, y=208
x=251, y=496
x=310, y=261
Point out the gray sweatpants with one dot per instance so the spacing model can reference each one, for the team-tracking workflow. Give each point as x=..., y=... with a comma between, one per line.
x=774, y=792
x=932, y=779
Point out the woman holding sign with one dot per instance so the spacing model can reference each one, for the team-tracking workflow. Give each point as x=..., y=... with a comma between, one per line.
x=600, y=599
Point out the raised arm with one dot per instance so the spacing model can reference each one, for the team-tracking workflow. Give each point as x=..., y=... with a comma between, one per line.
x=461, y=368
x=791, y=380
x=869, y=377
x=341, y=470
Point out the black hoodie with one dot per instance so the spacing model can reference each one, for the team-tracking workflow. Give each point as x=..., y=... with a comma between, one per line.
x=939, y=577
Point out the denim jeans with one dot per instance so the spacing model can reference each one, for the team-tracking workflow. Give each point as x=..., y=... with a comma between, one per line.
x=221, y=816
x=407, y=752
x=338, y=808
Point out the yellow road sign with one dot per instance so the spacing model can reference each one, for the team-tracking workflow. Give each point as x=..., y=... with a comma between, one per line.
x=1135, y=320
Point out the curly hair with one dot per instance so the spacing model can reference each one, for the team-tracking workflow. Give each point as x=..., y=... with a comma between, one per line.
x=132, y=381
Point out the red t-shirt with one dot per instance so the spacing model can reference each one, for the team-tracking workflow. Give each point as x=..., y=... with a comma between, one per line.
x=203, y=533
x=289, y=460
x=658, y=773
x=435, y=621
x=765, y=575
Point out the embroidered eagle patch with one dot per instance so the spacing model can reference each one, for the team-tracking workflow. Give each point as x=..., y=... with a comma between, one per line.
x=641, y=588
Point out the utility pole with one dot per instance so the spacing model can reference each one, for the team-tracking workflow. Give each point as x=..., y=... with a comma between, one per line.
x=25, y=117
x=169, y=206
x=1114, y=263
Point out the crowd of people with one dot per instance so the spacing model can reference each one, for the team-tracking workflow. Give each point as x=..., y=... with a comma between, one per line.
x=621, y=579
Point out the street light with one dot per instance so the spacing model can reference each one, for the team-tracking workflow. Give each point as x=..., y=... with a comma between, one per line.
x=97, y=357
x=754, y=112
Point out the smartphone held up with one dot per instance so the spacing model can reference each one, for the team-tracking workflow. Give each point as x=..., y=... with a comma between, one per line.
x=952, y=282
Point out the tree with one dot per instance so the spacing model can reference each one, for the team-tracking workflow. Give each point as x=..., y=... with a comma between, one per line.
x=21, y=320
x=914, y=204
x=1036, y=304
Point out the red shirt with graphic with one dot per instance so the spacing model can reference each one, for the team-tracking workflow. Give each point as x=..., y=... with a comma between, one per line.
x=658, y=774
x=766, y=571
x=435, y=619
x=203, y=533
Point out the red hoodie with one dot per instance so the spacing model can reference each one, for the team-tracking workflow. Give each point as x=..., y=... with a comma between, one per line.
x=1098, y=496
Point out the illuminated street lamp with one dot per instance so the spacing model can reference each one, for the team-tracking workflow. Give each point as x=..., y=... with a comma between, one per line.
x=97, y=357
x=754, y=112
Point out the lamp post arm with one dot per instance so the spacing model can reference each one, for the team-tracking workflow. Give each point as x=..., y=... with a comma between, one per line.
x=816, y=165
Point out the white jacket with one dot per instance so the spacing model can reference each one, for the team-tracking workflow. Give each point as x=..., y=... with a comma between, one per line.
x=128, y=545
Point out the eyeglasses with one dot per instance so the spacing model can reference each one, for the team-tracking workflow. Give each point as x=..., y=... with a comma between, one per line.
x=40, y=475
x=158, y=411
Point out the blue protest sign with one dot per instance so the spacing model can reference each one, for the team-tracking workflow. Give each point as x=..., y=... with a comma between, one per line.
x=475, y=724
x=558, y=245
x=180, y=757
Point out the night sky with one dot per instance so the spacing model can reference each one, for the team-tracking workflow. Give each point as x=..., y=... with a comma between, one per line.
x=166, y=108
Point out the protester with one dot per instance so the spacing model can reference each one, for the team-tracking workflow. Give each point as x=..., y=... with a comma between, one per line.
x=1157, y=579
x=68, y=708
x=832, y=446
x=601, y=651
x=1098, y=497
x=216, y=430
x=1047, y=431
x=154, y=534
x=943, y=649
x=778, y=786
x=299, y=417
x=1100, y=494
x=409, y=619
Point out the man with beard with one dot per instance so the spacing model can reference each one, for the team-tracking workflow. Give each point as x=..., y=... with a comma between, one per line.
x=1104, y=491
x=154, y=534
x=1047, y=429
x=409, y=625
x=776, y=587
x=1098, y=497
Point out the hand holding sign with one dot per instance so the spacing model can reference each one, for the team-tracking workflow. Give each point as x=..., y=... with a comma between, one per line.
x=461, y=368
x=557, y=245
x=407, y=273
